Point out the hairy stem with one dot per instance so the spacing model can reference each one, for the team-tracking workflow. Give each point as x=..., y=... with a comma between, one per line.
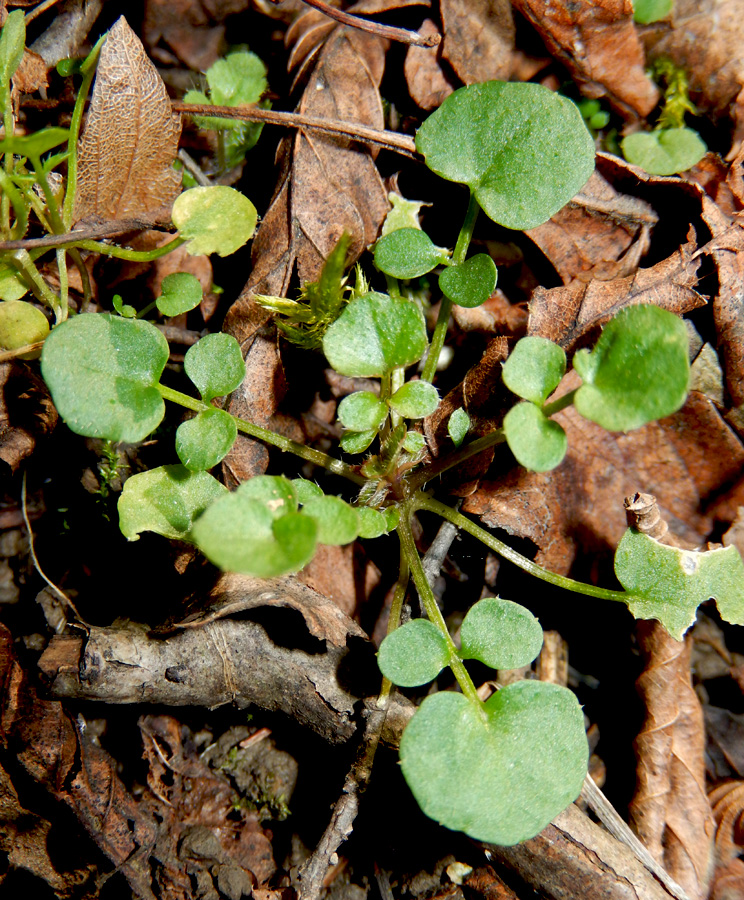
x=269, y=437
x=561, y=403
x=131, y=255
x=504, y=550
x=426, y=473
x=429, y=601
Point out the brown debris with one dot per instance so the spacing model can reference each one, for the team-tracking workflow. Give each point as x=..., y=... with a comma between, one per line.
x=126, y=153
x=427, y=82
x=597, y=42
x=478, y=38
x=27, y=413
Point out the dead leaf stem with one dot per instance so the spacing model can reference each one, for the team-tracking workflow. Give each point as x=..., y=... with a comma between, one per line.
x=392, y=140
x=384, y=31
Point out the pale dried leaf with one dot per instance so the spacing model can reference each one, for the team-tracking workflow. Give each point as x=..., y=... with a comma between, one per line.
x=427, y=82
x=670, y=811
x=596, y=40
x=727, y=800
x=131, y=137
x=478, y=38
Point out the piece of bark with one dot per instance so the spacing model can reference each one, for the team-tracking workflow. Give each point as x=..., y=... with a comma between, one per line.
x=126, y=153
x=597, y=42
x=67, y=31
x=573, y=857
x=478, y=38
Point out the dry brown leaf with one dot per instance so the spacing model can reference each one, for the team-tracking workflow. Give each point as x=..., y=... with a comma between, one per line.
x=427, y=83
x=600, y=234
x=478, y=38
x=27, y=413
x=706, y=38
x=126, y=153
x=727, y=801
x=670, y=811
x=597, y=42
x=187, y=29
x=725, y=250
x=344, y=575
x=571, y=314
x=576, y=505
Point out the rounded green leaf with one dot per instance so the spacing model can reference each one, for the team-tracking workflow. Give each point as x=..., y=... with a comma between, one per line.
x=534, y=368
x=124, y=309
x=669, y=584
x=414, y=442
x=407, y=253
x=12, y=286
x=413, y=654
x=647, y=11
x=501, y=771
x=523, y=150
x=501, y=634
x=471, y=283
x=276, y=492
x=372, y=522
x=206, y=439
x=458, y=426
x=241, y=533
x=537, y=442
x=392, y=517
x=415, y=400
x=338, y=523
x=306, y=490
x=103, y=372
x=637, y=372
x=166, y=500
x=362, y=411
x=357, y=441
x=374, y=335
x=215, y=365
x=20, y=324
x=216, y=219
x=180, y=293
x=666, y=151
x=238, y=78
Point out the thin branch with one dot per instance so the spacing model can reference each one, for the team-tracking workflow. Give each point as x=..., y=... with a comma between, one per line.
x=115, y=228
x=385, y=31
x=392, y=140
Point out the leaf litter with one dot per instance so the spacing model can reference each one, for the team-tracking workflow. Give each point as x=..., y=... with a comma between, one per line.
x=626, y=238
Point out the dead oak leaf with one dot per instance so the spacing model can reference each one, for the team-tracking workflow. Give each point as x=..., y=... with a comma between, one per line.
x=597, y=42
x=478, y=38
x=125, y=156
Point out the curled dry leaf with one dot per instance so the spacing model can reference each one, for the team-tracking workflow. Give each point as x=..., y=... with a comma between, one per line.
x=597, y=42
x=478, y=38
x=126, y=153
x=727, y=800
x=670, y=811
x=427, y=82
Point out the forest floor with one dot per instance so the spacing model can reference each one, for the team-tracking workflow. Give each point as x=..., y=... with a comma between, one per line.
x=113, y=781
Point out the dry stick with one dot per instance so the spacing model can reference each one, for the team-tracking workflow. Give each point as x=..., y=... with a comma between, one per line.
x=385, y=31
x=392, y=140
x=114, y=228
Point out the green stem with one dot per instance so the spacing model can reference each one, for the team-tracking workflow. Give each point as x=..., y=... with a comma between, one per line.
x=8, y=161
x=458, y=257
x=269, y=437
x=504, y=550
x=84, y=277
x=11, y=194
x=51, y=201
x=396, y=607
x=426, y=473
x=64, y=294
x=408, y=549
x=131, y=255
x=21, y=260
x=561, y=403
x=88, y=69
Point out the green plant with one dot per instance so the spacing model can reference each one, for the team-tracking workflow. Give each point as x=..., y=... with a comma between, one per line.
x=671, y=147
x=35, y=189
x=499, y=770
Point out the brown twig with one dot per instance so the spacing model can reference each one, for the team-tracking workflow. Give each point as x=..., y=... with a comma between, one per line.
x=385, y=31
x=401, y=143
x=115, y=228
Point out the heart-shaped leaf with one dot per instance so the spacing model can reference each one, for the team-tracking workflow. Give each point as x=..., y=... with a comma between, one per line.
x=374, y=335
x=471, y=283
x=499, y=772
x=338, y=523
x=415, y=400
x=501, y=634
x=407, y=253
x=523, y=150
x=103, y=372
x=167, y=501
x=362, y=411
x=669, y=584
x=534, y=368
x=246, y=532
x=206, y=439
x=180, y=293
x=537, y=442
x=216, y=219
x=215, y=365
x=638, y=371
x=666, y=151
x=413, y=654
